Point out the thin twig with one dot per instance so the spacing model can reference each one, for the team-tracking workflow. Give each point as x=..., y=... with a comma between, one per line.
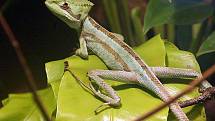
x=83, y=85
x=208, y=94
x=191, y=86
x=30, y=79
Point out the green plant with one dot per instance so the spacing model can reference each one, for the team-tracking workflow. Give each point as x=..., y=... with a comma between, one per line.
x=73, y=103
x=68, y=96
x=186, y=23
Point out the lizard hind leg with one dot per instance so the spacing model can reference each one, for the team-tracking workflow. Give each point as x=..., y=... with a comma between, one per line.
x=99, y=94
x=170, y=72
x=111, y=98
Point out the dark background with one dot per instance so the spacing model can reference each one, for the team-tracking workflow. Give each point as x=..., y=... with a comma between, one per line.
x=42, y=37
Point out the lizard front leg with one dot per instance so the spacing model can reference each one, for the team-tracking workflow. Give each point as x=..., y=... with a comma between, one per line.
x=82, y=51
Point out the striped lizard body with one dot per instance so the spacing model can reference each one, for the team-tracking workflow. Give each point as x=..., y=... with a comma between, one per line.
x=124, y=63
x=117, y=55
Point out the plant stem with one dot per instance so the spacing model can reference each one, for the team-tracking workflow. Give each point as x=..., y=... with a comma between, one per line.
x=30, y=79
x=206, y=29
x=197, y=42
x=138, y=31
x=125, y=21
x=112, y=15
x=165, y=31
x=171, y=33
x=207, y=95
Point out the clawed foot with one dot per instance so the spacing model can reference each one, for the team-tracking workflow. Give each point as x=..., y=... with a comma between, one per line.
x=93, y=89
x=97, y=110
x=207, y=94
x=97, y=92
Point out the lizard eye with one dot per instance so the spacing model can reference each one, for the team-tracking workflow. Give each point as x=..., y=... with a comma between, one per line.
x=65, y=6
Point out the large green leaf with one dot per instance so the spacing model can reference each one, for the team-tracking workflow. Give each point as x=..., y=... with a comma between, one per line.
x=207, y=46
x=137, y=25
x=158, y=12
x=54, y=77
x=179, y=58
x=85, y=103
x=180, y=12
x=145, y=51
x=75, y=103
x=190, y=11
x=182, y=59
x=21, y=107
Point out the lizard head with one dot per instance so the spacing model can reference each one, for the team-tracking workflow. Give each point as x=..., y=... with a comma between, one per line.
x=72, y=12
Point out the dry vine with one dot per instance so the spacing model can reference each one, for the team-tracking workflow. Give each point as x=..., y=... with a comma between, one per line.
x=30, y=79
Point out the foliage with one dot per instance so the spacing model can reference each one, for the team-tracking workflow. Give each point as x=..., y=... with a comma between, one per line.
x=187, y=23
x=76, y=103
x=21, y=107
x=179, y=12
x=208, y=45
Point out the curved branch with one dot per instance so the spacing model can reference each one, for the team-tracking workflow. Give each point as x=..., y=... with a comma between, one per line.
x=30, y=79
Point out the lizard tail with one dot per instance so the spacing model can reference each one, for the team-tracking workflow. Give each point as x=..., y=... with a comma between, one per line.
x=176, y=109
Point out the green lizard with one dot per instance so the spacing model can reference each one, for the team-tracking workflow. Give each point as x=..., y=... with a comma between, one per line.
x=125, y=64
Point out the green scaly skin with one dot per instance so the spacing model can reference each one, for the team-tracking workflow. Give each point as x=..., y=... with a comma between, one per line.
x=72, y=12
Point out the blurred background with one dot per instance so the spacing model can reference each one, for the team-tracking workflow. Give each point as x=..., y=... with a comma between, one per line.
x=43, y=37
